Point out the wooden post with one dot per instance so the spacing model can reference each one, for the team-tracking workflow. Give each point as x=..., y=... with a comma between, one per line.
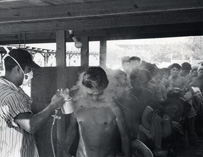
x=85, y=52
x=61, y=82
x=46, y=58
x=102, y=58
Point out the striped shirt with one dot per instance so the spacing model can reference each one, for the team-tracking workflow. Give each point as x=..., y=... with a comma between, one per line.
x=14, y=141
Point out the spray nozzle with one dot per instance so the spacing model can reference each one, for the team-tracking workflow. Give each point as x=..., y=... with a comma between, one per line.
x=65, y=93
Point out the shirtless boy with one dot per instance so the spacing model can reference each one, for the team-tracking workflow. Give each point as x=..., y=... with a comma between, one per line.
x=198, y=81
x=100, y=120
x=175, y=79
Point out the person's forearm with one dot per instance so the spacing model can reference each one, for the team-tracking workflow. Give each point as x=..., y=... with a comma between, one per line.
x=126, y=146
x=71, y=132
x=70, y=136
x=32, y=122
x=40, y=118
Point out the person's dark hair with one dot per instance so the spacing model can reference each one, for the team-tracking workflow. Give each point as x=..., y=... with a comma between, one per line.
x=146, y=74
x=186, y=66
x=152, y=68
x=9, y=64
x=175, y=93
x=176, y=65
x=95, y=77
x=118, y=73
x=22, y=56
x=158, y=72
x=134, y=75
x=165, y=71
x=135, y=58
x=141, y=74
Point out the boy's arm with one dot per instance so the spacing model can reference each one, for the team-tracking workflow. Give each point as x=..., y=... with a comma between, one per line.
x=120, y=120
x=71, y=132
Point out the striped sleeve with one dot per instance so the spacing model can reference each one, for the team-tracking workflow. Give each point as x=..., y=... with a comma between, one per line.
x=13, y=105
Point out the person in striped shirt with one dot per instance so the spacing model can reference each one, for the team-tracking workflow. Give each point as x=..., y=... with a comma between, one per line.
x=17, y=122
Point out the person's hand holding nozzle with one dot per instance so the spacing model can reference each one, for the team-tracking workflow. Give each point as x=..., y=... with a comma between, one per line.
x=67, y=108
x=57, y=100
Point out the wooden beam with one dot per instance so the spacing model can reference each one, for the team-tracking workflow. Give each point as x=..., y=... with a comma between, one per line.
x=61, y=49
x=95, y=8
x=13, y=4
x=61, y=2
x=61, y=80
x=74, y=10
x=37, y=37
x=102, y=57
x=37, y=2
x=110, y=21
x=53, y=2
x=167, y=4
x=85, y=52
x=155, y=31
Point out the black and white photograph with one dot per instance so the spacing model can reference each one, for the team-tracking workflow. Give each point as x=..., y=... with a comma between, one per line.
x=101, y=78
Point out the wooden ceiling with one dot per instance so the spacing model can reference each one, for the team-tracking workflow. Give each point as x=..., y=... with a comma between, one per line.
x=38, y=20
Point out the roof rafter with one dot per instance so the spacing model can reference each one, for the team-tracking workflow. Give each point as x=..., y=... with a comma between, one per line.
x=107, y=21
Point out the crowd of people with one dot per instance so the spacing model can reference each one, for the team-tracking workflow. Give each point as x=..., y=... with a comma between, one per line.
x=171, y=97
x=158, y=108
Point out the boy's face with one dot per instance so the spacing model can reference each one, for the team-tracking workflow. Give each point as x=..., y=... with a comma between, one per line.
x=200, y=73
x=165, y=75
x=188, y=95
x=184, y=72
x=123, y=80
x=136, y=83
x=126, y=66
x=194, y=73
x=135, y=64
x=158, y=77
x=94, y=93
x=175, y=71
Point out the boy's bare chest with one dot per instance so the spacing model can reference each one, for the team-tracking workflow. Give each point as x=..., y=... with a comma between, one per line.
x=94, y=116
x=177, y=82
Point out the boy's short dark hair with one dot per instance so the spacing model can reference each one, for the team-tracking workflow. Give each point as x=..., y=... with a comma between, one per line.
x=186, y=66
x=135, y=58
x=176, y=65
x=95, y=77
x=165, y=71
x=140, y=74
x=118, y=73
